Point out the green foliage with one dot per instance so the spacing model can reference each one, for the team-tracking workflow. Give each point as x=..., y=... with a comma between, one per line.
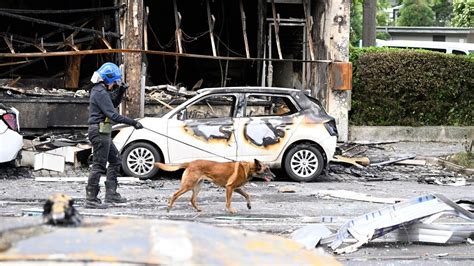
x=463, y=13
x=443, y=10
x=416, y=13
x=465, y=159
x=357, y=21
x=411, y=88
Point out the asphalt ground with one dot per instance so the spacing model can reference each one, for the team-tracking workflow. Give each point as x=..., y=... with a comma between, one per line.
x=272, y=211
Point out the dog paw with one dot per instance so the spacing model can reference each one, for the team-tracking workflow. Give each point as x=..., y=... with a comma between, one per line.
x=232, y=211
x=249, y=206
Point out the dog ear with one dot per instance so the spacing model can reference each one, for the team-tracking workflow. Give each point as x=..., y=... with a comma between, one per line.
x=258, y=164
x=47, y=207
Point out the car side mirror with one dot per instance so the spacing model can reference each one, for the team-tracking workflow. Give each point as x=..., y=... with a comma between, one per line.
x=181, y=115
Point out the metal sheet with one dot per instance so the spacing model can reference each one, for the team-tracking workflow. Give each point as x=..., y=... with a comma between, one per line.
x=159, y=242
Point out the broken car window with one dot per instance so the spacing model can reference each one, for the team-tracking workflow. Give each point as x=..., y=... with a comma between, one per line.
x=262, y=105
x=214, y=106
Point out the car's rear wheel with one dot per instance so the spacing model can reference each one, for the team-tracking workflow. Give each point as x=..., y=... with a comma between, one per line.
x=138, y=160
x=304, y=163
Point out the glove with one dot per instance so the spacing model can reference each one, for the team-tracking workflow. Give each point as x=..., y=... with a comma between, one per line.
x=138, y=125
x=122, y=87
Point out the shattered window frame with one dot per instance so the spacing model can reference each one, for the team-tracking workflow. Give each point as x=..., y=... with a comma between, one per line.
x=184, y=113
x=292, y=110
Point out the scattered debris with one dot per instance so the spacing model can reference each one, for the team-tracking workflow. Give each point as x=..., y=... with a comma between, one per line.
x=411, y=221
x=287, y=189
x=446, y=181
x=392, y=161
x=412, y=162
x=53, y=151
x=359, y=162
x=59, y=210
x=121, y=180
x=345, y=194
x=310, y=235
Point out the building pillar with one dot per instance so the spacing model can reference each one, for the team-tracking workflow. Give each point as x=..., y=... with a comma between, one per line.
x=133, y=39
x=331, y=35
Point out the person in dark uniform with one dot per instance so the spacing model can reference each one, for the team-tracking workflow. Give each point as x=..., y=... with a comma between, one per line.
x=105, y=96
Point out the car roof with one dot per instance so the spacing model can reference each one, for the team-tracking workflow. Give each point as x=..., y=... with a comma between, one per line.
x=427, y=44
x=250, y=89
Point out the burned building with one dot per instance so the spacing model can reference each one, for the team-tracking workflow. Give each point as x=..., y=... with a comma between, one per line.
x=51, y=48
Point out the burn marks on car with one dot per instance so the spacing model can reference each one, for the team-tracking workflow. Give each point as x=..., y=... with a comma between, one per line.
x=265, y=132
x=218, y=129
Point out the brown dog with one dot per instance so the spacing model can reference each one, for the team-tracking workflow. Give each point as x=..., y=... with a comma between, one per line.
x=231, y=175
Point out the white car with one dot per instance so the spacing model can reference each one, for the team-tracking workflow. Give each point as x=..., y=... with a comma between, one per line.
x=282, y=127
x=11, y=141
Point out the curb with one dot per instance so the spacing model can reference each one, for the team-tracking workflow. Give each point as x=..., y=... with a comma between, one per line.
x=373, y=134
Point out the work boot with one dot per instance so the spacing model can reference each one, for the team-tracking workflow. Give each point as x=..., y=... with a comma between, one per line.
x=92, y=202
x=111, y=194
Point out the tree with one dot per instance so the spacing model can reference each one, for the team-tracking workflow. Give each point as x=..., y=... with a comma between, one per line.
x=369, y=22
x=463, y=13
x=416, y=13
x=356, y=19
x=443, y=10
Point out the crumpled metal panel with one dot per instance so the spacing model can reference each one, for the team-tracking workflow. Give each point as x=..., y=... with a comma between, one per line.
x=159, y=242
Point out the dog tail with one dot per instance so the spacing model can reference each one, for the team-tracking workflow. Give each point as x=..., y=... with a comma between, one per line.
x=169, y=167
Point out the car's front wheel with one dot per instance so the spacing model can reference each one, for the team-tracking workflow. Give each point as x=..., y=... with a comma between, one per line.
x=138, y=160
x=304, y=163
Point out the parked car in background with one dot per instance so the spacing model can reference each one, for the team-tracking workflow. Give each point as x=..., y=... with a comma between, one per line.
x=11, y=141
x=282, y=127
x=443, y=47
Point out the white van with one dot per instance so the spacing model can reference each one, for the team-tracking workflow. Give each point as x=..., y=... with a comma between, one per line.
x=443, y=47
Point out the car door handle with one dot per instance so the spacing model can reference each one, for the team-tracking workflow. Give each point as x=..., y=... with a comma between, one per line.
x=228, y=128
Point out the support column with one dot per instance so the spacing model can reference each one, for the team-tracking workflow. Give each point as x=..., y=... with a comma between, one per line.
x=133, y=61
x=331, y=35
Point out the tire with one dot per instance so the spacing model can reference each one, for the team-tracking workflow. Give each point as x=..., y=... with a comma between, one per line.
x=138, y=160
x=303, y=163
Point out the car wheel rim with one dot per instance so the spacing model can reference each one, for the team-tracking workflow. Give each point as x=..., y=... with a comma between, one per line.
x=304, y=163
x=140, y=161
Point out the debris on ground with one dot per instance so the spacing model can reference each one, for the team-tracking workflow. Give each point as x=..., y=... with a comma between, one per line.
x=443, y=180
x=410, y=221
x=359, y=162
x=351, y=195
x=52, y=152
x=388, y=162
x=287, y=189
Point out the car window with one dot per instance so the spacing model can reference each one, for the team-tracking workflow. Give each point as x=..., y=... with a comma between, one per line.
x=213, y=106
x=459, y=52
x=266, y=105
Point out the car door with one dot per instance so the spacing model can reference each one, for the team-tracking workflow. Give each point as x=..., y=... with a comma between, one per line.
x=266, y=126
x=204, y=129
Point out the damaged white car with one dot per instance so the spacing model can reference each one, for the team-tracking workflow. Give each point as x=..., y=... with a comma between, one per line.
x=11, y=141
x=282, y=127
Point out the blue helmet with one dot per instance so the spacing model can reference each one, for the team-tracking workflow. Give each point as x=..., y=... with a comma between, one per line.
x=110, y=72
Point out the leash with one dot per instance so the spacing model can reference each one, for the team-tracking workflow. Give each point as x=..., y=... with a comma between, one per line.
x=187, y=144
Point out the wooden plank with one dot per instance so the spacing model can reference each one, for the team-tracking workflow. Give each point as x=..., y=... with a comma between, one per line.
x=276, y=22
x=72, y=72
x=309, y=29
x=358, y=162
x=244, y=29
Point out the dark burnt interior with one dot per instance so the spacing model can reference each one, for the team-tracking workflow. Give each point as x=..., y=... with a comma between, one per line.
x=49, y=72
